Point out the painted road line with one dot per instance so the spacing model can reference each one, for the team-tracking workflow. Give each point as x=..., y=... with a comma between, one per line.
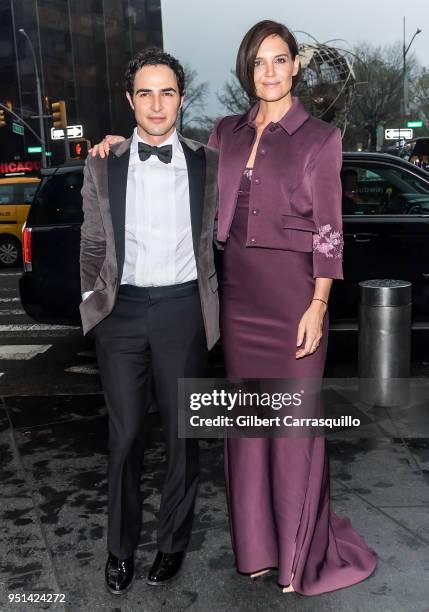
x=15, y=299
x=36, y=327
x=37, y=330
x=4, y=312
x=86, y=354
x=90, y=369
x=10, y=273
x=17, y=352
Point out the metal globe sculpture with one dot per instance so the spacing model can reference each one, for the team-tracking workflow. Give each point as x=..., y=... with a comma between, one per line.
x=328, y=82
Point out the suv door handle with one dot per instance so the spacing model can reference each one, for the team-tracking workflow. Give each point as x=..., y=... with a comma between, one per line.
x=363, y=237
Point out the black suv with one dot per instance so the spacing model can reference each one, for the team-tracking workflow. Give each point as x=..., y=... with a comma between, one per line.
x=50, y=285
x=386, y=235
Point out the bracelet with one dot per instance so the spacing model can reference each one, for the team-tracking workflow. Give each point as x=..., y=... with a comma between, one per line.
x=319, y=300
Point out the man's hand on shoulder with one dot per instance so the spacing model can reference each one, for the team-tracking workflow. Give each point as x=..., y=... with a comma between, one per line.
x=102, y=148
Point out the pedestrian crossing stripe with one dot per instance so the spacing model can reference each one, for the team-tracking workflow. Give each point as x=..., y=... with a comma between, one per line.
x=16, y=311
x=89, y=369
x=15, y=352
x=36, y=327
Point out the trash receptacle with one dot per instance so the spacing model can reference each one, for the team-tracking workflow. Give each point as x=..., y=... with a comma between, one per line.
x=384, y=342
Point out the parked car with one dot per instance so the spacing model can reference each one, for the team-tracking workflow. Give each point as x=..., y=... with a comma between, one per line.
x=386, y=231
x=50, y=284
x=386, y=234
x=16, y=194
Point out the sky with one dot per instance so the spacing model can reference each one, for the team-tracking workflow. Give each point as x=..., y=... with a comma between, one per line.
x=206, y=33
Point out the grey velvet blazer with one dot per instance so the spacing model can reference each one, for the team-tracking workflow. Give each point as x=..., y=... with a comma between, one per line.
x=102, y=245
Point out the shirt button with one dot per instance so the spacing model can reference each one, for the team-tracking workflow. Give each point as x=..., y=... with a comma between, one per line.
x=253, y=240
x=257, y=181
x=255, y=211
x=263, y=151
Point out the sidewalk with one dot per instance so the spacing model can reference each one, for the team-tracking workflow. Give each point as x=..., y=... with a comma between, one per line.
x=53, y=519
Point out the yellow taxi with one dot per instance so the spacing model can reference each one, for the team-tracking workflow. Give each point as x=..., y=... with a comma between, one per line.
x=16, y=195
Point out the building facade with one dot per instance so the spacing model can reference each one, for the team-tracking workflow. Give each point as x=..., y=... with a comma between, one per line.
x=82, y=48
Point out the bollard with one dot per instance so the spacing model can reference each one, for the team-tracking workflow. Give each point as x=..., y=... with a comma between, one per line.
x=384, y=342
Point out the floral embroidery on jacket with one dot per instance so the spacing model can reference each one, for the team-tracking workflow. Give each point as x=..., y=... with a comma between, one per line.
x=328, y=242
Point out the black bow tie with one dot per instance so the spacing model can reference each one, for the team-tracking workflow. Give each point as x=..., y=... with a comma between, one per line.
x=164, y=153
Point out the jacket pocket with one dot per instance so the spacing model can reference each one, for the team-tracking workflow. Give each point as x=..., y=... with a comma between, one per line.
x=299, y=223
x=298, y=233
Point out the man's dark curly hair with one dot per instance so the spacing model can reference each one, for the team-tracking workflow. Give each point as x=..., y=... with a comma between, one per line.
x=153, y=57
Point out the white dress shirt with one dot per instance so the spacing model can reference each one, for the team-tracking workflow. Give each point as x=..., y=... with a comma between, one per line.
x=158, y=233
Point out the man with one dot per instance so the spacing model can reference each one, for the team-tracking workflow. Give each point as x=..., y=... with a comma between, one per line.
x=150, y=298
x=349, y=180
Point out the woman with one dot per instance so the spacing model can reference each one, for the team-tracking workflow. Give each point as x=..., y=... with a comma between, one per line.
x=280, y=220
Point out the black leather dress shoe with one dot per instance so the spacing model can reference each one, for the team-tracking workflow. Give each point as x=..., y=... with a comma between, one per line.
x=165, y=567
x=119, y=574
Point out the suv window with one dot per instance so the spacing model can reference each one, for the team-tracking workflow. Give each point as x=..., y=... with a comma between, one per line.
x=380, y=189
x=58, y=200
x=27, y=192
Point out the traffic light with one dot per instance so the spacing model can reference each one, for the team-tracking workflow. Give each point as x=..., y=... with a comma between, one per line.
x=59, y=114
x=79, y=148
x=2, y=118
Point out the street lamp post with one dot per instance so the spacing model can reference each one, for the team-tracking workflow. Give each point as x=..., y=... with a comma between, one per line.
x=39, y=98
x=405, y=50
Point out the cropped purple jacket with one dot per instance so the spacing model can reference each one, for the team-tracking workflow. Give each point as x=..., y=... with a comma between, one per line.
x=295, y=196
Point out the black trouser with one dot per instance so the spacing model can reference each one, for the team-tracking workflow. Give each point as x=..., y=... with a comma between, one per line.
x=152, y=335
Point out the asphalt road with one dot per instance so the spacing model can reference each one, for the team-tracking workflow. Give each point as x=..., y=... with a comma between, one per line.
x=40, y=359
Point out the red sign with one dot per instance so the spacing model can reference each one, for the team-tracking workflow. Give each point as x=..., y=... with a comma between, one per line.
x=20, y=166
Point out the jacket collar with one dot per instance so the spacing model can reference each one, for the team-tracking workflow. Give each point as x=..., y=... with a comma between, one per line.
x=122, y=147
x=290, y=122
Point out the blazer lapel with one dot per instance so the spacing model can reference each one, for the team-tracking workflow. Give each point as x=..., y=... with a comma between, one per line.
x=117, y=173
x=196, y=162
x=238, y=148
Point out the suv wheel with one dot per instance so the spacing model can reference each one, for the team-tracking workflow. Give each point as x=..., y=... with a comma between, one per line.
x=10, y=252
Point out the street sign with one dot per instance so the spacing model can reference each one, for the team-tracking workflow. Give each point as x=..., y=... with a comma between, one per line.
x=17, y=128
x=34, y=149
x=414, y=124
x=73, y=131
x=397, y=134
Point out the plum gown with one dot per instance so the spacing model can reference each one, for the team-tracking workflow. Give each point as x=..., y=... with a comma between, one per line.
x=278, y=489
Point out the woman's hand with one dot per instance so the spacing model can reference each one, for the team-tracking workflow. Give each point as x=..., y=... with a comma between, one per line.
x=102, y=148
x=310, y=328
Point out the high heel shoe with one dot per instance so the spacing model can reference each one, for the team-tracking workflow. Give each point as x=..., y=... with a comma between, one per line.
x=289, y=588
x=260, y=573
